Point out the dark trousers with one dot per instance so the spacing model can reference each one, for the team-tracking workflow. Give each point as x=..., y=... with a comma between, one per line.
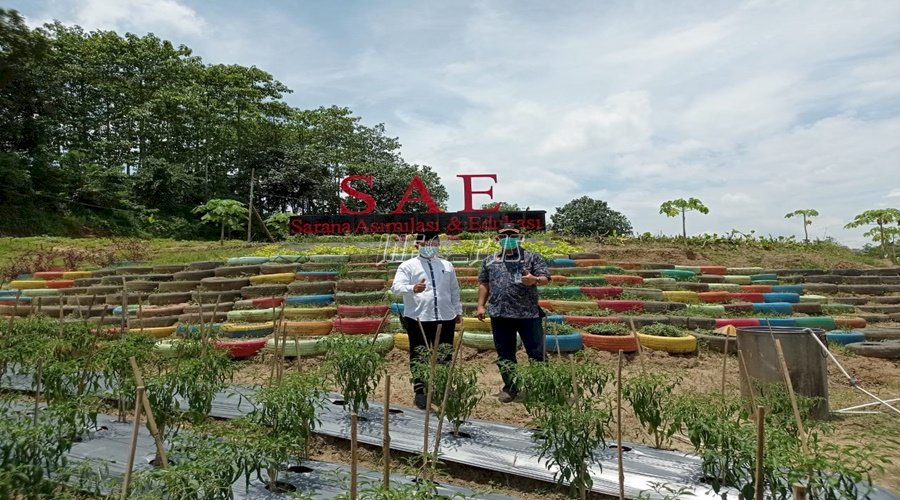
x=505, y=329
x=416, y=344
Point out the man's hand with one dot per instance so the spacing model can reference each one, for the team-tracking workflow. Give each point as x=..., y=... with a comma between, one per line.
x=529, y=279
x=480, y=312
x=458, y=319
x=419, y=287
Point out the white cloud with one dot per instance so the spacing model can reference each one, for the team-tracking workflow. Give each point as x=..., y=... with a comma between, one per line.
x=895, y=193
x=140, y=16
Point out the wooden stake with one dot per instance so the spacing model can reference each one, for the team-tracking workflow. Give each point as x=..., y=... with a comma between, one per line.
x=148, y=411
x=743, y=366
x=790, y=387
x=279, y=330
x=134, y=438
x=124, y=326
x=263, y=224
x=353, y=457
x=37, y=390
x=140, y=313
x=62, y=326
x=637, y=340
x=386, y=434
x=430, y=388
x=760, y=450
x=724, y=364
x=442, y=413
x=619, y=427
x=799, y=492
x=380, y=326
x=250, y=203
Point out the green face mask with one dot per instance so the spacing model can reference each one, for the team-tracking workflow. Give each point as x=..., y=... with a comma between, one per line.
x=509, y=243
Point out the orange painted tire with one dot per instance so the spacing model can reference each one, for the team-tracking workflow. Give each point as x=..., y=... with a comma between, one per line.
x=719, y=270
x=590, y=320
x=611, y=343
x=589, y=262
x=558, y=278
x=756, y=288
x=849, y=322
x=623, y=279
x=158, y=311
x=467, y=280
x=626, y=265
x=601, y=292
x=714, y=297
x=61, y=284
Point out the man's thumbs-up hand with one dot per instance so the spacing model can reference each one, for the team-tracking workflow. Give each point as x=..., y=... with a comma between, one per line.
x=420, y=286
x=529, y=279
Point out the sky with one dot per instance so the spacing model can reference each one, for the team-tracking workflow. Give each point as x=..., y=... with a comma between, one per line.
x=757, y=108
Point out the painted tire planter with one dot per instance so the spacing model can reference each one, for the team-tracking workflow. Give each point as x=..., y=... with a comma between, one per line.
x=27, y=284
x=298, y=348
x=736, y=322
x=267, y=290
x=621, y=305
x=361, y=285
x=467, y=280
x=474, y=325
x=717, y=270
x=184, y=329
x=157, y=332
x=716, y=342
x=468, y=295
x=623, y=279
x=166, y=348
x=849, y=322
x=791, y=298
x=567, y=342
x=798, y=289
x=561, y=262
x=196, y=275
x=764, y=277
x=678, y=274
x=842, y=337
x=590, y=320
x=756, y=288
x=889, y=349
x=586, y=281
x=715, y=297
x=157, y=311
x=737, y=279
x=266, y=302
x=717, y=309
x=724, y=287
x=814, y=299
x=253, y=315
x=823, y=322
x=308, y=328
x=47, y=275
x=302, y=300
x=204, y=265
x=674, y=345
x=236, y=271
x=748, y=297
x=194, y=317
x=330, y=259
x=357, y=298
x=589, y=262
x=219, y=283
x=482, y=341
x=611, y=343
x=246, y=261
x=397, y=308
x=289, y=258
x=682, y=296
x=308, y=313
x=357, y=326
x=312, y=287
x=774, y=307
x=178, y=286
x=563, y=306
x=792, y=322
x=555, y=292
x=279, y=268
x=239, y=349
x=348, y=311
x=272, y=279
x=246, y=330
x=739, y=307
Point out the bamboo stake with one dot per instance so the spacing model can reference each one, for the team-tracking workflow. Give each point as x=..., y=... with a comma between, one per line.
x=429, y=390
x=15, y=309
x=386, y=434
x=353, y=455
x=724, y=363
x=760, y=450
x=40, y=306
x=90, y=307
x=148, y=411
x=279, y=330
x=442, y=413
x=200, y=324
x=619, y=427
x=37, y=391
x=134, y=438
x=212, y=320
x=62, y=326
x=790, y=387
x=799, y=492
x=275, y=352
x=380, y=326
x=637, y=340
x=123, y=325
x=743, y=365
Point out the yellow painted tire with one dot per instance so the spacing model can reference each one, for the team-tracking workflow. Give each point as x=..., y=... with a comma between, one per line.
x=676, y=345
x=74, y=275
x=307, y=328
x=245, y=327
x=564, y=306
x=309, y=313
x=27, y=284
x=684, y=296
x=474, y=325
x=158, y=332
x=268, y=279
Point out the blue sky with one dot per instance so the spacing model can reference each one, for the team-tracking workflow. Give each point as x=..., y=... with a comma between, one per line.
x=757, y=108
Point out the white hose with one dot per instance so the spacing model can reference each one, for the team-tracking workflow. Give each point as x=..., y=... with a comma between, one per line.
x=854, y=382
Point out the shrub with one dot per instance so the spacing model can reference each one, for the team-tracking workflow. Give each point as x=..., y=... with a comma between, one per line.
x=664, y=330
x=355, y=367
x=607, y=329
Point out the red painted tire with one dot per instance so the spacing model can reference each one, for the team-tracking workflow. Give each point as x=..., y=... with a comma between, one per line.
x=348, y=311
x=590, y=320
x=267, y=302
x=61, y=284
x=611, y=343
x=626, y=265
x=623, y=279
x=719, y=270
x=621, y=305
x=736, y=322
x=756, y=288
x=558, y=278
x=601, y=292
x=467, y=280
x=849, y=322
x=714, y=297
x=353, y=326
x=748, y=297
x=242, y=348
x=48, y=275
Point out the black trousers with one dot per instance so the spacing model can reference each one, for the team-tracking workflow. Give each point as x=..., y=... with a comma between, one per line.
x=416, y=343
x=505, y=329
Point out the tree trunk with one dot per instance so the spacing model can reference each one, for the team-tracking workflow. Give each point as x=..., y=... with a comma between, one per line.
x=683, y=226
x=805, y=233
x=883, y=240
x=222, y=234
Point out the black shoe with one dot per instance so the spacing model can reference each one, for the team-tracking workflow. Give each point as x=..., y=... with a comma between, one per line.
x=420, y=401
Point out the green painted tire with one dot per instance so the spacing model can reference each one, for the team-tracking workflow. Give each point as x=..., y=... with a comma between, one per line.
x=823, y=322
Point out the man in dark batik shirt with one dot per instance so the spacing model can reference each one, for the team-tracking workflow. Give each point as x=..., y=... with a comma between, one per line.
x=508, y=285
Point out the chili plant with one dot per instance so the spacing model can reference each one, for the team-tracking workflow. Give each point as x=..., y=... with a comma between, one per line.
x=463, y=394
x=652, y=400
x=355, y=367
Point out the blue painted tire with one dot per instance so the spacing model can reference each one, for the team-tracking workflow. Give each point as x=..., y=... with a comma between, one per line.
x=763, y=277
x=397, y=308
x=798, y=289
x=569, y=342
x=555, y=318
x=842, y=337
x=9, y=293
x=12, y=298
x=773, y=307
x=791, y=298
x=296, y=300
x=561, y=262
x=777, y=321
x=246, y=261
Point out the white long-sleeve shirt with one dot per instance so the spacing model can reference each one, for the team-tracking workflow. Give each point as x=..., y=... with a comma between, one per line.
x=440, y=299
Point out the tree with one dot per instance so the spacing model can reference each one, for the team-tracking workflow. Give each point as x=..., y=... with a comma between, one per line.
x=807, y=214
x=589, y=217
x=504, y=206
x=672, y=208
x=881, y=217
x=226, y=213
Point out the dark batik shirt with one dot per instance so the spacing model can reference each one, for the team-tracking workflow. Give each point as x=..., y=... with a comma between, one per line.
x=508, y=299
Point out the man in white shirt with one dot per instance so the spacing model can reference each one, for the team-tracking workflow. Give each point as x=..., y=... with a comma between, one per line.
x=430, y=293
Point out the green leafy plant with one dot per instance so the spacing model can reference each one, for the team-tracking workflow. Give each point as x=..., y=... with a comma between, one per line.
x=672, y=208
x=463, y=394
x=591, y=312
x=807, y=214
x=651, y=397
x=278, y=224
x=355, y=367
x=607, y=329
x=551, y=328
x=664, y=330
x=882, y=218
x=228, y=214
